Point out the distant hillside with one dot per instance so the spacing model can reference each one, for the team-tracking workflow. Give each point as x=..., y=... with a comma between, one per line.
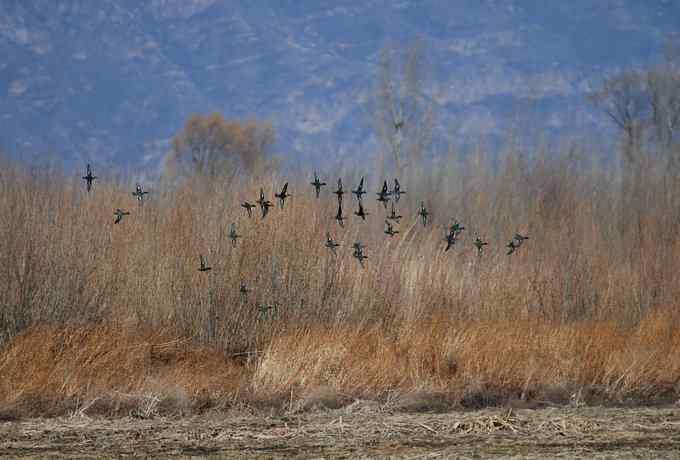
x=110, y=81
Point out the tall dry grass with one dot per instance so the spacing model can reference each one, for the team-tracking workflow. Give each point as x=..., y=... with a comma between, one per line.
x=112, y=316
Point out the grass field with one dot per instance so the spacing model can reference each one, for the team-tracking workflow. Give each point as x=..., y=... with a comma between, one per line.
x=104, y=319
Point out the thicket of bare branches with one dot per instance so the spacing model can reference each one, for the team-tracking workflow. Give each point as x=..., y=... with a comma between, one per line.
x=645, y=105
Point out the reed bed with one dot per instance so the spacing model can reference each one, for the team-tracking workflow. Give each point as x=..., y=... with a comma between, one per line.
x=97, y=317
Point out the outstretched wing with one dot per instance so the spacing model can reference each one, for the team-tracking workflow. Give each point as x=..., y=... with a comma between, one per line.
x=285, y=189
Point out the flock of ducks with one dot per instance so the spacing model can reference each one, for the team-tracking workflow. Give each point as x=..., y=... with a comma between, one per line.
x=384, y=196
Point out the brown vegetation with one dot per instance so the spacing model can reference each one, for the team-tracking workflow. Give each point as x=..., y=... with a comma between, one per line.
x=116, y=319
x=210, y=145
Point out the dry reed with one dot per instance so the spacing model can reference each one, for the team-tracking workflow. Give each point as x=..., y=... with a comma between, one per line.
x=95, y=315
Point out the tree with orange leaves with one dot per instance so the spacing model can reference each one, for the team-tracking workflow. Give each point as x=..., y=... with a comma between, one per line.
x=211, y=145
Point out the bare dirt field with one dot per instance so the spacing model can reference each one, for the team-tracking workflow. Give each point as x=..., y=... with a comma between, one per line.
x=358, y=431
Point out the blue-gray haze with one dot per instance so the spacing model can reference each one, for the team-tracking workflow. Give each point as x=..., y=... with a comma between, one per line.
x=110, y=81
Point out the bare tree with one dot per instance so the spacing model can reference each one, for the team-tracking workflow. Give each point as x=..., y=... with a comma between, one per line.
x=645, y=105
x=663, y=86
x=624, y=99
x=404, y=115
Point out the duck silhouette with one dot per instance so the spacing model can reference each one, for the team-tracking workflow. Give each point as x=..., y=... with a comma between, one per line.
x=520, y=238
x=340, y=191
x=515, y=243
x=331, y=243
x=283, y=195
x=264, y=310
x=89, y=178
x=390, y=229
x=359, y=191
x=456, y=228
x=264, y=204
x=361, y=212
x=384, y=195
x=393, y=215
x=119, y=213
x=204, y=267
x=139, y=193
x=424, y=214
x=248, y=207
x=243, y=290
x=359, y=253
x=450, y=239
x=339, y=217
x=479, y=244
x=233, y=236
x=397, y=191
x=317, y=184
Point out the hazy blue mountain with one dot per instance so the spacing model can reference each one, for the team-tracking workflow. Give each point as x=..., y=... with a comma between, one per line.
x=110, y=81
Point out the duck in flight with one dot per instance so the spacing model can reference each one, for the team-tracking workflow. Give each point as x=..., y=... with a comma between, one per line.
x=283, y=195
x=233, y=236
x=359, y=253
x=361, y=212
x=317, y=184
x=479, y=244
x=264, y=204
x=119, y=213
x=359, y=191
x=89, y=178
x=339, y=192
x=393, y=215
x=515, y=243
x=520, y=238
x=384, y=195
x=450, y=239
x=204, y=265
x=248, y=207
x=390, y=229
x=139, y=193
x=265, y=309
x=331, y=244
x=423, y=213
x=339, y=217
x=456, y=228
x=243, y=291
x=397, y=191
